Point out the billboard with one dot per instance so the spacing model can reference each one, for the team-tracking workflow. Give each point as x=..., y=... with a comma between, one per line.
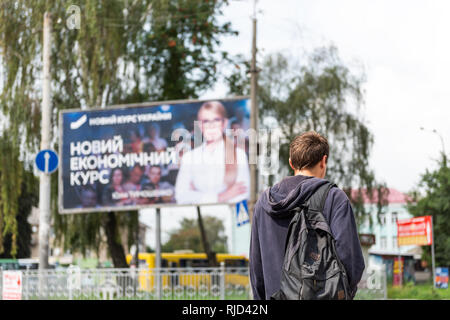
x=127, y=157
x=414, y=231
x=441, y=278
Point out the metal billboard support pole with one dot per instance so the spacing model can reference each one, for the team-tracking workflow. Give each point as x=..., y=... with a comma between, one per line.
x=158, y=253
x=137, y=242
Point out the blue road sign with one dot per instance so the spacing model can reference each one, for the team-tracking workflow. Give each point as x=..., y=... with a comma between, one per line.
x=47, y=161
x=242, y=216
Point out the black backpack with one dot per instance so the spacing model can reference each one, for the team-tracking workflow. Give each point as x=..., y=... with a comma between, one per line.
x=311, y=268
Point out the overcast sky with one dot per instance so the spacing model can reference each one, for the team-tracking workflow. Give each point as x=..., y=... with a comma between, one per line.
x=404, y=49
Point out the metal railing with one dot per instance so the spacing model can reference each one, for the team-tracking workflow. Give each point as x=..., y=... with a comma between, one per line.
x=135, y=284
x=220, y=283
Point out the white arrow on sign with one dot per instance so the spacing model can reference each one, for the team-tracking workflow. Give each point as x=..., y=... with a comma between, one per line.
x=47, y=158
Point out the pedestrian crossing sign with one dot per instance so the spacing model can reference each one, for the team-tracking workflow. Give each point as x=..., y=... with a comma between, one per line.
x=242, y=216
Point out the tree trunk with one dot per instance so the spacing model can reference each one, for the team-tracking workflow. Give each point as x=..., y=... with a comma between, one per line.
x=115, y=247
x=211, y=255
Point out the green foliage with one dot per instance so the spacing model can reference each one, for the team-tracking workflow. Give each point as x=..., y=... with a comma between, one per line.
x=18, y=245
x=184, y=42
x=325, y=96
x=435, y=201
x=418, y=292
x=11, y=183
x=124, y=51
x=187, y=236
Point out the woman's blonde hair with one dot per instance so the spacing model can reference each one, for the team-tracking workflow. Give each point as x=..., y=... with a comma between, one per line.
x=230, y=149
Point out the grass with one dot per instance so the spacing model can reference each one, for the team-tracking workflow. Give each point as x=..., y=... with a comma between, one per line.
x=408, y=291
x=368, y=295
x=147, y=296
x=228, y=297
x=418, y=292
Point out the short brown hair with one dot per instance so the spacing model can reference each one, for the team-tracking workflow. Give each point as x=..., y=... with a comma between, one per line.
x=307, y=149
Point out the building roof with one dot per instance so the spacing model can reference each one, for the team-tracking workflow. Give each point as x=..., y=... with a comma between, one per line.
x=394, y=196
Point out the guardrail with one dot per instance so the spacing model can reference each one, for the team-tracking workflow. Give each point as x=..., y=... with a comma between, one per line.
x=219, y=283
x=135, y=284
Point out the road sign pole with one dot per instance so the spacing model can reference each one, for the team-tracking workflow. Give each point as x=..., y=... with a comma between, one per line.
x=44, y=181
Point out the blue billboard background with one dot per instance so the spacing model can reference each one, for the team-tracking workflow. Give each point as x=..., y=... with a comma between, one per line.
x=123, y=158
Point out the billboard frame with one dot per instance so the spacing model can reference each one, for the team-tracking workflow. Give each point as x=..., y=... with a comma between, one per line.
x=61, y=210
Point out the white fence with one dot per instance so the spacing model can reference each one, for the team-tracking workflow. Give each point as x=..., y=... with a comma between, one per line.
x=136, y=284
x=166, y=283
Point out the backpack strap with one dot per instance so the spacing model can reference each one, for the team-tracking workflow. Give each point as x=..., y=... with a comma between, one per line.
x=317, y=201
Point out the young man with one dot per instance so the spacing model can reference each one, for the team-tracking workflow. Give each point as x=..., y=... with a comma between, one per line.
x=308, y=158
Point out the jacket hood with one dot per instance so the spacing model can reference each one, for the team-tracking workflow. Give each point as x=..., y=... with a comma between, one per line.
x=289, y=193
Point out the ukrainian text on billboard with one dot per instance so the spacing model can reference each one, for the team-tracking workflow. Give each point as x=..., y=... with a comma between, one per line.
x=168, y=153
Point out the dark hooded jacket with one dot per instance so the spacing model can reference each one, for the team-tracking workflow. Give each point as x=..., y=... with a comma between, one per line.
x=270, y=224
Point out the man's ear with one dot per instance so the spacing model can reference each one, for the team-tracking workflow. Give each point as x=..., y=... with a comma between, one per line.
x=323, y=163
x=290, y=163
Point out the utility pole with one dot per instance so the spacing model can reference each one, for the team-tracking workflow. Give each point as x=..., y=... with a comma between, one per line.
x=44, y=181
x=253, y=121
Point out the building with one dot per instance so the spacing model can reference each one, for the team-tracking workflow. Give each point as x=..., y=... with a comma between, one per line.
x=384, y=228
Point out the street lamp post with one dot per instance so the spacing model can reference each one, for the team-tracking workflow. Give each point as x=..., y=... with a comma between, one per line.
x=432, y=233
x=439, y=135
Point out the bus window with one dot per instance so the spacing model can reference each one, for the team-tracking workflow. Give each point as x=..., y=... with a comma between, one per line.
x=143, y=263
x=194, y=263
x=236, y=263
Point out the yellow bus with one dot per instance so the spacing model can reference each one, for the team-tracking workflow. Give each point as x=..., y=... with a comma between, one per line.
x=186, y=260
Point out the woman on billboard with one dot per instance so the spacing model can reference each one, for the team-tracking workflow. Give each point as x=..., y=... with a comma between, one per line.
x=216, y=171
x=113, y=193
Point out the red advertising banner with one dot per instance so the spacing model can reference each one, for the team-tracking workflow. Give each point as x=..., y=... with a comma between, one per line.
x=414, y=231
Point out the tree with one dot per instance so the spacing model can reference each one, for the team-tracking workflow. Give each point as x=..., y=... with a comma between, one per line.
x=321, y=95
x=187, y=236
x=434, y=200
x=15, y=238
x=125, y=51
x=182, y=49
